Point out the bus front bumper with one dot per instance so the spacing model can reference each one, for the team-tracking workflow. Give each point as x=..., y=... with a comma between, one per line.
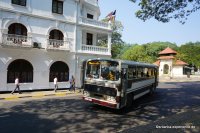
x=101, y=102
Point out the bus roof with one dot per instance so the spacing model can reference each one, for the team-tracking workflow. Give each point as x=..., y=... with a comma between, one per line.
x=127, y=62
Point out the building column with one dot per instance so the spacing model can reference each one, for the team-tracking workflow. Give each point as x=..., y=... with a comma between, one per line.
x=109, y=43
x=47, y=41
x=3, y=34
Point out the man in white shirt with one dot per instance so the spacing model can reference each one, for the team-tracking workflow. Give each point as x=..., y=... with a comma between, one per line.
x=16, y=86
x=55, y=80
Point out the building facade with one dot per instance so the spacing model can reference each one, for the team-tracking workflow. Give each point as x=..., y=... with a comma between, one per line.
x=41, y=39
x=169, y=65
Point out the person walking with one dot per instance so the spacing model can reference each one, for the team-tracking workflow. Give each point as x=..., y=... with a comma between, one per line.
x=16, y=86
x=55, y=80
x=72, y=84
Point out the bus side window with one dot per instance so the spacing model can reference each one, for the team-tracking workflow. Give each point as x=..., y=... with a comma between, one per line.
x=147, y=74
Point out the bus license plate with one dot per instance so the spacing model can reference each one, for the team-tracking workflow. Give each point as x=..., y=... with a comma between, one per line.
x=88, y=99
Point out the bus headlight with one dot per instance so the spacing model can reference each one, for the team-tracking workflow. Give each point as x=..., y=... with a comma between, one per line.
x=111, y=98
x=86, y=93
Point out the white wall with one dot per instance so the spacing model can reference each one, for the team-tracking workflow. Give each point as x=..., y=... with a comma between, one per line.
x=161, y=67
x=177, y=71
x=41, y=61
x=43, y=8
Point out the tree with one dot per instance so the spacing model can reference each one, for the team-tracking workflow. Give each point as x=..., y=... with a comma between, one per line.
x=164, y=10
x=136, y=53
x=147, y=52
x=117, y=42
x=154, y=48
x=190, y=53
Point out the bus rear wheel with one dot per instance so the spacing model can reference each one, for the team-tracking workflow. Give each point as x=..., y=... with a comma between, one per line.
x=152, y=89
x=129, y=101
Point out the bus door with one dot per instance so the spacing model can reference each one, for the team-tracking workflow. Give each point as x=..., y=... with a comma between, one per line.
x=124, y=79
x=124, y=85
x=83, y=74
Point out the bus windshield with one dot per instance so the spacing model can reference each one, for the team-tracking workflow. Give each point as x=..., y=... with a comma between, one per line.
x=105, y=70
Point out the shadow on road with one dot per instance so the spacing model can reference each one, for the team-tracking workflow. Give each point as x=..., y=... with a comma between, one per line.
x=75, y=115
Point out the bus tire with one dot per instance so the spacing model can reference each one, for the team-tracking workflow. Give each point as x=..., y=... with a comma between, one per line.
x=129, y=101
x=152, y=89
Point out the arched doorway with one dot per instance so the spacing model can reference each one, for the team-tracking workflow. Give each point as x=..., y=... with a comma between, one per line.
x=166, y=69
x=22, y=69
x=60, y=70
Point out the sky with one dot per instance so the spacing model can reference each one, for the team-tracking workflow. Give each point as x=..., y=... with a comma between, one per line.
x=137, y=31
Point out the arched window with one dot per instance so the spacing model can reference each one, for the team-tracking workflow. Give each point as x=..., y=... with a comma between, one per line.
x=17, y=33
x=22, y=69
x=166, y=69
x=56, y=34
x=60, y=70
x=17, y=29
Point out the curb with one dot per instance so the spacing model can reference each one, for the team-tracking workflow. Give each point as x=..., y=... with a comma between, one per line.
x=38, y=95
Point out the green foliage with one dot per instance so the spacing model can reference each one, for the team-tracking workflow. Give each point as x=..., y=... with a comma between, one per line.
x=190, y=53
x=120, y=50
x=154, y=48
x=146, y=52
x=137, y=53
x=164, y=10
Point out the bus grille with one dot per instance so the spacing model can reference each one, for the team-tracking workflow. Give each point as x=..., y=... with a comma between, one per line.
x=101, y=90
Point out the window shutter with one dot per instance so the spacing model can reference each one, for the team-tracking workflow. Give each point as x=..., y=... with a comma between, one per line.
x=54, y=6
x=23, y=2
x=60, y=7
x=14, y=1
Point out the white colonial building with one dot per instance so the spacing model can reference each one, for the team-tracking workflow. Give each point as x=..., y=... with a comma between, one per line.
x=41, y=39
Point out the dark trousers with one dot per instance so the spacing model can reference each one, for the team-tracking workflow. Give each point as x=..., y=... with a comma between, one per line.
x=72, y=88
x=17, y=87
x=56, y=87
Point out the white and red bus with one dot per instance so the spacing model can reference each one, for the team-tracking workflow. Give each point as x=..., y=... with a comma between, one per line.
x=117, y=83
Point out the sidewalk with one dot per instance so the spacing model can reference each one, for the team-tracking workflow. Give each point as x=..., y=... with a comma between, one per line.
x=193, y=78
x=37, y=94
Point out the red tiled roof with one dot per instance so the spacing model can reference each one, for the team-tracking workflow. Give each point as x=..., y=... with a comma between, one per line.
x=180, y=63
x=166, y=57
x=168, y=51
x=157, y=63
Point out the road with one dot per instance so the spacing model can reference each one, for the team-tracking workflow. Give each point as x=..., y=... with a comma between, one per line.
x=71, y=114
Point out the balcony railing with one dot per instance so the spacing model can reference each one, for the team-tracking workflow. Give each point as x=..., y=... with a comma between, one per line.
x=94, y=49
x=93, y=2
x=93, y=22
x=57, y=44
x=16, y=40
